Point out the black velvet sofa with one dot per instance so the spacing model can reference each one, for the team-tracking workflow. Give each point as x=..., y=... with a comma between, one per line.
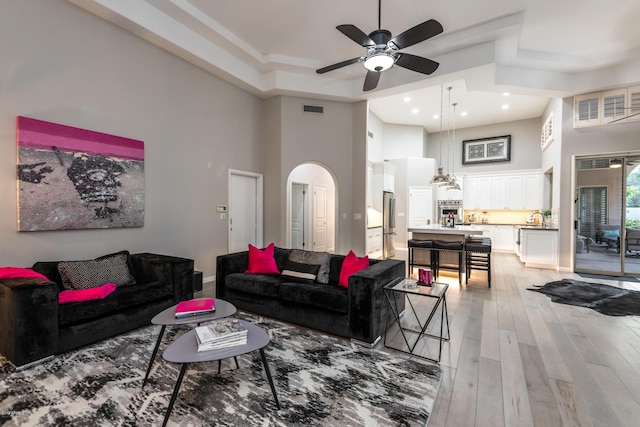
x=359, y=312
x=34, y=326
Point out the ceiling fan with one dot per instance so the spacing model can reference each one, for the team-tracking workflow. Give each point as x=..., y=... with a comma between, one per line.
x=383, y=51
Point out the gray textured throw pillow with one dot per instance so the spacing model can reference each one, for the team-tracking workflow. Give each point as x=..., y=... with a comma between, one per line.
x=94, y=273
x=323, y=259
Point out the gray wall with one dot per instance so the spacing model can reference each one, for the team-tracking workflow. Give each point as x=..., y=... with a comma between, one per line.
x=61, y=64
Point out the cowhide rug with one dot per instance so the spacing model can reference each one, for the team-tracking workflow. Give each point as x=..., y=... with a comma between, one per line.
x=605, y=299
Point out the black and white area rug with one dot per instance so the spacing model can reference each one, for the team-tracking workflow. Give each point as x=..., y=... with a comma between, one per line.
x=605, y=299
x=320, y=380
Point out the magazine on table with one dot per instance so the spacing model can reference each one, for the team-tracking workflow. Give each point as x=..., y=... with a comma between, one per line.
x=222, y=344
x=221, y=332
x=195, y=307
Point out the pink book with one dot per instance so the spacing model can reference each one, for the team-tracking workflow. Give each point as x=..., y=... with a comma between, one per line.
x=195, y=307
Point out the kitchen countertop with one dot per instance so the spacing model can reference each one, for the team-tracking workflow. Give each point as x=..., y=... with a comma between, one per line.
x=441, y=229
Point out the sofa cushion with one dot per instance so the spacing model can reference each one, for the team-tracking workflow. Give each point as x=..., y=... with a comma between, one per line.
x=262, y=261
x=351, y=264
x=298, y=272
x=77, y=295
x=323, y=259
x=256, y=284
x=93, y=273
x=123, y=298
x=329, y=297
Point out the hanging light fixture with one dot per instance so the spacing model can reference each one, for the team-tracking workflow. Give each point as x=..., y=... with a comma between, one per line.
x=453, y=185
x=440, y=178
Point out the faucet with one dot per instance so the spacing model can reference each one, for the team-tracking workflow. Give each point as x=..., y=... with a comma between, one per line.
x=541, y=217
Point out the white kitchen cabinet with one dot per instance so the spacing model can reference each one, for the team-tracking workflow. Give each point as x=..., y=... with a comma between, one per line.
x=532, y=186
x=499, y=192
x=539, y=248
x=374, y=242
x=476, y=193
x=503, y=192
x=503, y=238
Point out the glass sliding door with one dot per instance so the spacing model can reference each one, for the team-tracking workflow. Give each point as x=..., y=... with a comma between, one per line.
x=631, y=242
x=600, y=214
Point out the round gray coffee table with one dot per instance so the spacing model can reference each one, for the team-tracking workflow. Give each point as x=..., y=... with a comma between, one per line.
x=185, y=350
x=168, y=318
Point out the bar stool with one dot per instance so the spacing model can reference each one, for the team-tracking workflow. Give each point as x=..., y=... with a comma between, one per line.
x=478, y=256
x=443, y=246
x=413, y=245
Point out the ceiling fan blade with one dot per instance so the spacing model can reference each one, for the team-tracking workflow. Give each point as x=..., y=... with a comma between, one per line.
x=417, y=34
x=416, y=63
x=371, y=81
x=356, y=34
x=338, y=65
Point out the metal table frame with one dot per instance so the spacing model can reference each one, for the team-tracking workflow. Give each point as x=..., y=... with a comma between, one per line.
x=409, y=287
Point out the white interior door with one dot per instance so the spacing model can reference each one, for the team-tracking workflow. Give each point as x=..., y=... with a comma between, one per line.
x=320, y=218
x=299, y=214
x=245, y=198
x=420, y=206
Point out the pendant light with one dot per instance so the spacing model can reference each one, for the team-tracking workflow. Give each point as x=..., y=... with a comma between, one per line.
x=453, y=185
x=440, y=178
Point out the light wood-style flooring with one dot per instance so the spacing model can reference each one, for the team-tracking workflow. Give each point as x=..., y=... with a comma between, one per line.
x=517, y=359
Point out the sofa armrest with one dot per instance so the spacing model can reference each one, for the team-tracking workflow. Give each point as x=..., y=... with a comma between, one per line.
x=228, y=264
x=368, y=306
x=28, y=319
x=149, y=267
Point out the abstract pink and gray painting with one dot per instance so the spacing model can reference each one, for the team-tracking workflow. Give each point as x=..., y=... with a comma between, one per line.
x=70, y=178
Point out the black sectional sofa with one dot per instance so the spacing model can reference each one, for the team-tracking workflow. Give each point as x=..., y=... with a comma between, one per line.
x=33, y=325
x=359, y=312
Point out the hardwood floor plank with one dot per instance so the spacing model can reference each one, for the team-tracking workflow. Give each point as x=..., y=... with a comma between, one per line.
x=490, y=408
x=587, y=350
x=443, y=401
x=553, y=360
x=616, y=394
x=571, y=415
x=490, y=341
x=465, y=385
x=588, y=394
x=517, y=410
x=544, y=407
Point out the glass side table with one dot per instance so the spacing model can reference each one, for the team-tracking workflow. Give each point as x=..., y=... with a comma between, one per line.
x=411, y=289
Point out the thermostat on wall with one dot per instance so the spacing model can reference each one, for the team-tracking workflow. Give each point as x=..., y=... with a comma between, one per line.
x=221, y=208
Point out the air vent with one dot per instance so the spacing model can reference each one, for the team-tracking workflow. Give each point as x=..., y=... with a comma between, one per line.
x=586, y=164
x=313, y=109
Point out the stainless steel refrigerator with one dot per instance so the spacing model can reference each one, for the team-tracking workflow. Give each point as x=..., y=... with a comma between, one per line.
x=388, y=224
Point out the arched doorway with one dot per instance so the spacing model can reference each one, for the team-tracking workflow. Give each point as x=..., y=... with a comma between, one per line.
x=311, y=208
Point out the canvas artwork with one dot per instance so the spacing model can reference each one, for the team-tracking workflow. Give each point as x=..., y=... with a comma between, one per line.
x=70, y=178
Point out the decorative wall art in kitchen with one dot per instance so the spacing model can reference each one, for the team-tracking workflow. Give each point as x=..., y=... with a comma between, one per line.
x=484, y=150
x=70, y=178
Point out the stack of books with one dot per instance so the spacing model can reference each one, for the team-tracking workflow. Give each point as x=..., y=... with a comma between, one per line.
x=194, y=307
x=221, y=334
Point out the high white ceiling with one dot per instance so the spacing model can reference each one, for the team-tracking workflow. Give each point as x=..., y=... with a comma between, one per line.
x=532, y=49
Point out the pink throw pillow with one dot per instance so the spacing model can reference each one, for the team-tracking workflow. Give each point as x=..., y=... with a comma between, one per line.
x=350, y=265
x=262, y=262
x=20, y=273
x=86, y=294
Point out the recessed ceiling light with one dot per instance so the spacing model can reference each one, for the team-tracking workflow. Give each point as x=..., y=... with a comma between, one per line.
x=406, y=99
x=505, y=107
x=436, y=116
x=463, y=114
x=415, y=111
x=506, y=94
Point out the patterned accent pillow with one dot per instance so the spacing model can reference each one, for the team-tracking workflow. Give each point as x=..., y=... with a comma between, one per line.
x=298, y=272
x=323, y=259
x=97, y=272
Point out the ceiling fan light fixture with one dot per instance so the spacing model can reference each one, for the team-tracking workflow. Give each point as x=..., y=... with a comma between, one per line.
x=379, y=62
